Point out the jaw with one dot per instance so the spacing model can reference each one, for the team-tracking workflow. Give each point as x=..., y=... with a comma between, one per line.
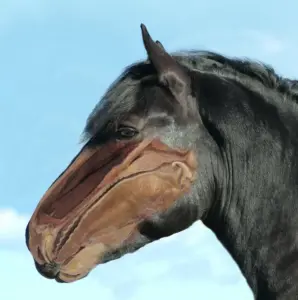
x=93, y=210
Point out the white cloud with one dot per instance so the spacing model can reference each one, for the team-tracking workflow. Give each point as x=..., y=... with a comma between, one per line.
x=12, y=224
x=189, y=264
x=21, y=281
x=189, y=289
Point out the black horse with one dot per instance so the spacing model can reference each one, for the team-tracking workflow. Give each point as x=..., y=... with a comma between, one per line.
x=175, y=139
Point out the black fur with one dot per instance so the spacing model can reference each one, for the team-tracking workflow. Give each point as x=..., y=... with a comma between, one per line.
x=243, y=70
x=242, y=122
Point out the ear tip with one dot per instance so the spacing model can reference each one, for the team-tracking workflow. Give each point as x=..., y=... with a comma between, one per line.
x=145, y=35
x=144, y=29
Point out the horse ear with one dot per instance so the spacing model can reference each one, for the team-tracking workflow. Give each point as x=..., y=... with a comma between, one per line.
x=160, y=45
x=170, y=73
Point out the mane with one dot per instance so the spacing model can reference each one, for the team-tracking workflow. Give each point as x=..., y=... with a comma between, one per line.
x=237, y=68
x=253, y=74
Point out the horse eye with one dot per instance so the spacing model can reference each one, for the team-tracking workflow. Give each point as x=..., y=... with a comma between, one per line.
x=126, y=132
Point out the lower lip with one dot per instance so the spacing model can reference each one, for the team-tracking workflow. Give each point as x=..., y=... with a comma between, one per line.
x=70, y=278
x=58, y=279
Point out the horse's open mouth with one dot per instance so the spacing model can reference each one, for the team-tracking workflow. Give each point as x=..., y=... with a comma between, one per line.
x=96, y=205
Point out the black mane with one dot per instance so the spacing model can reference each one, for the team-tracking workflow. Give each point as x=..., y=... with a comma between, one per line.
x=205, y=61
x=256, y=76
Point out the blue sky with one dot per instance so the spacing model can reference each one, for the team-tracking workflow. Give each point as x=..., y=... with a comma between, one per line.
x=57, y=58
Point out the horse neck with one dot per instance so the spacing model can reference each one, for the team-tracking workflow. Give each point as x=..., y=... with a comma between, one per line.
x=255, y=215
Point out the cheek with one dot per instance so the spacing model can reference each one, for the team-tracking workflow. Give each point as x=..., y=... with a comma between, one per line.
x=176, y=218
x=153, y=229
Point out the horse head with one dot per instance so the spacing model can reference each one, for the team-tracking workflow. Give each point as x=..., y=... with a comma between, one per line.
x=134, y=180
x=174, y=140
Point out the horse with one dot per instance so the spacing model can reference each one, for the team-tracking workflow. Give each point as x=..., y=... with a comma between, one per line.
x=175, y=139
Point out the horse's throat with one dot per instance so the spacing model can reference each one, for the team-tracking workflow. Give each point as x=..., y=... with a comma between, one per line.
x=261, y=251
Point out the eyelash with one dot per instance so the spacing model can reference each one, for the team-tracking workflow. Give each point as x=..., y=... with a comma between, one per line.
x=126, y=132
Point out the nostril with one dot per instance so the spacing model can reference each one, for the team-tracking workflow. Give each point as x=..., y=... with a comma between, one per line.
x=48, y=270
